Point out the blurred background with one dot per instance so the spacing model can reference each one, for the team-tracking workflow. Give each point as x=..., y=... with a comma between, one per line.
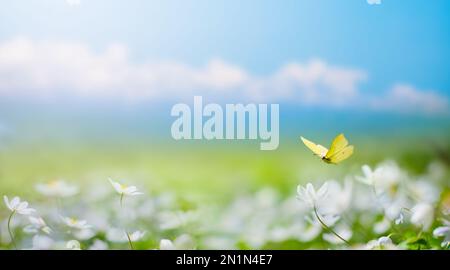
x=86, y=89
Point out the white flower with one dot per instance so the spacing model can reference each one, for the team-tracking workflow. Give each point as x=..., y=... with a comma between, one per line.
x=57, y=188
x=424, y=191
x=393, y=208
x=37, y=224
x=329, y=220
x=166, y=244
x=313, y=227
x=308, y=232
x=16, y=206
x=338, y=197
x=369, y=176
x=310, y=196
x=124, y=190
x=73, y=245
x=381, y=226
x=443, y=231
x=383, y=242
x=75, y=223
x=182, y=242
x=400, y=219
x=84, y=234
x=116, y=235
x=422, y=215
x=120, y=236
x=343, y=231
x=136, y=236
x=171, y=220
x=385, y=178
x=280, y=234
x=99, y=245
x=42, y=242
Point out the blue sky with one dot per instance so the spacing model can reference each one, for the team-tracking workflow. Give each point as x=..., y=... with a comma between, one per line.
x=400, y=42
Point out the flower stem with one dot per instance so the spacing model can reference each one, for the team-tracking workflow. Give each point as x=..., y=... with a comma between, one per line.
x=128, y=235
x=129, y=240
x=121, y=200
x=328, y=228
x=9, y=229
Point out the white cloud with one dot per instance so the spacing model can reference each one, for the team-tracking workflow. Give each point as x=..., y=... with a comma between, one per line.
x=40, y=69
x=35, y=69
x=407, y=99
x=315, y=83
x=374, y=2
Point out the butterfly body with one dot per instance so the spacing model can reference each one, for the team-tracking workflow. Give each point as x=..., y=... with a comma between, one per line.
x=339, y=150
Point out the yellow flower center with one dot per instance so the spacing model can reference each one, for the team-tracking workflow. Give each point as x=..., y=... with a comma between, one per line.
x=393, y=189
x=53, y=183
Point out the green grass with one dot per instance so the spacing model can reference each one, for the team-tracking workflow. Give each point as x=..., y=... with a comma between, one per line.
x=197, y=171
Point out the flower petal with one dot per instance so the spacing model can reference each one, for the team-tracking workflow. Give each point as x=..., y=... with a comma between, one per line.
x=6, y=200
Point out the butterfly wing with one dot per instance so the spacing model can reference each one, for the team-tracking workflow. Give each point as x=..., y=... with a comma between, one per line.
x=341, y=155
x=338, y=144
x=317, y=149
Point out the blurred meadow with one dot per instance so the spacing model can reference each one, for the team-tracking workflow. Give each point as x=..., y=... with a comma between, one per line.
x=87, y=149
x=202, y=171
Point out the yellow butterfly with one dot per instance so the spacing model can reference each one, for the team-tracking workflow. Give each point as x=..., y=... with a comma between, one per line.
x=339, y=149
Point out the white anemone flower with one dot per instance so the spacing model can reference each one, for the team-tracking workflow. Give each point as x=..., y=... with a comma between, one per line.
x=385, y=179
x=422, y=216
x=330, y=220
x=343, y=230
x=310, y=196
x=99, y=245
x=182, y=242
x=73, y=245
x=338, y=197
x=57, y=188
x=124, y=189
x=42, y=242
x=16, y=206
x=37, y=225
x=393, y=209
x=75, y=223
x=369, y=176
x=116, y=235
x=383, y=242
x=136, y=236
x=314, y=200
x=443, y=231
x=308, y=232
x=400, y=219
x=84, y=234
x=174, y=219
x=424, y=191
x=382, y=226
x=166, y=244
